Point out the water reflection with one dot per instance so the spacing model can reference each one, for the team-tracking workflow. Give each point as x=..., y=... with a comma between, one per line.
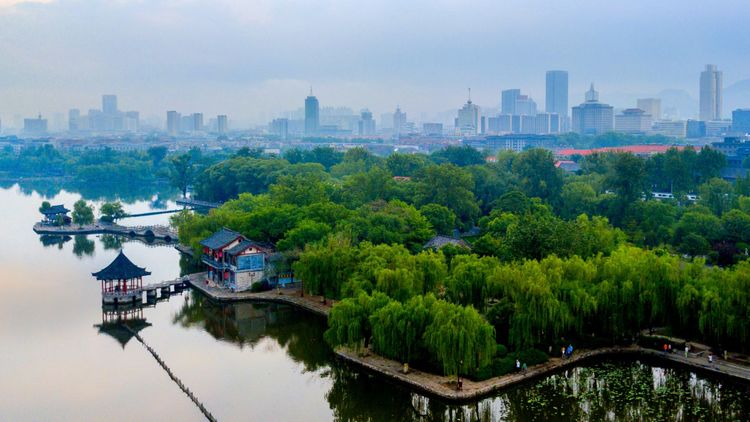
x=54, y=240
x=120, y=322
x=622, y=391
x=83, y=246
x=245, y=324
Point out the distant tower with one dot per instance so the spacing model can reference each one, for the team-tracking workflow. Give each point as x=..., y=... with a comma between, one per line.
x=468, y=118
x=109, y=104
x=710, y=93
x=556, y=100
x=221, y=124
x=399, y=121
x=312, y=115
x=509, y=98
x=173, y=122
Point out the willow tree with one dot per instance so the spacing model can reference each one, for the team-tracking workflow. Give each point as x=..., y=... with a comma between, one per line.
x=323, y=268
x=349, y=323
x=459, y=338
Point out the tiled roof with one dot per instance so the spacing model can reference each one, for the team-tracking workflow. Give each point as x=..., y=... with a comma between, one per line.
x=221, y=238
x=239, y=248
x=120, y=268
x=56, y=209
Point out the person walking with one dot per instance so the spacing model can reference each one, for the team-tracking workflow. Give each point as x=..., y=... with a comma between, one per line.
x=518, y=365
x=523, y=367
x=687, y=348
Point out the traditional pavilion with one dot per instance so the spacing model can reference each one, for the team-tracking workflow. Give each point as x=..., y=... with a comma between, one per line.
x=56, y=213
x=233, y=261
x=121, y=280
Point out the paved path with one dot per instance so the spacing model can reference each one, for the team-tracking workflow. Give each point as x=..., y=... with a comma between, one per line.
x=156, y=232
x=443, y=386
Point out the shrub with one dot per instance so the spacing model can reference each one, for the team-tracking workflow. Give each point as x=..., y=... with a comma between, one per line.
x=531, y=357
x=501, y=351
x=260, y=286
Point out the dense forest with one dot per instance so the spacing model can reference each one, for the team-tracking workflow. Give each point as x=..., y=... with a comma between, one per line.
x=554, y=258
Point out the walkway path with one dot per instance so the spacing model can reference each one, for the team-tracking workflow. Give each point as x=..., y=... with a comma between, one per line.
x=443, y=386
x=155, y=232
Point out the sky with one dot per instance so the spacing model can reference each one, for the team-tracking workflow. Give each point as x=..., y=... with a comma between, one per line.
x=254, y=59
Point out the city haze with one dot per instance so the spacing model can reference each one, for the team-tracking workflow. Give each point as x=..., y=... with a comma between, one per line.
x=255, y=60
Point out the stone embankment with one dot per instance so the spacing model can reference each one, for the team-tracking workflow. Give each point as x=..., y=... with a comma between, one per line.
x=445, y=387
x=150, y=232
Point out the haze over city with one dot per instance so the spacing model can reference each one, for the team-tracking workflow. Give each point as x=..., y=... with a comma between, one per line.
x=256, y=60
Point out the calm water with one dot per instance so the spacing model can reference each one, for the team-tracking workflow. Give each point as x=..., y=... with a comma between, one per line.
x=249, y=361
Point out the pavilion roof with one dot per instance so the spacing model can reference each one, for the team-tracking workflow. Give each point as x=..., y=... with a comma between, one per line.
x=120, y=268
x=56, y=209
x=221, y=238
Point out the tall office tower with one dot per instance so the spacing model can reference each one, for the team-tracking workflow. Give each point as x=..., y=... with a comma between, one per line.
x=399, y=121
x=556, y=99
x=280, y=128
x=741, y=120
x=710, y=93
x=525, y=106
x=468, y=118
x=222, y=123
x=109, y=104
x=197, y=122
x=366, y=124
x=74, y=118
x=651, y=106
x=312, y=115
x=593, y=117
x=508, y=101
x=173, y=122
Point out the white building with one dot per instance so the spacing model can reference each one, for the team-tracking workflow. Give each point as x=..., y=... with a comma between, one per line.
x=633, y=120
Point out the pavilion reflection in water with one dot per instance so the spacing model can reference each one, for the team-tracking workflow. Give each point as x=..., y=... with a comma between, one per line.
x=121, y=322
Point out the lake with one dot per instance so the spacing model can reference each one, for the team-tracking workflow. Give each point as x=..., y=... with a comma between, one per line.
x=243, y=361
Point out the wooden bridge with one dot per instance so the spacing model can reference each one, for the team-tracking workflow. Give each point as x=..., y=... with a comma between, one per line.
x=148, y=232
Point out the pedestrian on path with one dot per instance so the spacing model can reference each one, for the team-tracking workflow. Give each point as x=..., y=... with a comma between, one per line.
x=687, y=348
x=523, y=367
x=562, y=352
x=518, y=365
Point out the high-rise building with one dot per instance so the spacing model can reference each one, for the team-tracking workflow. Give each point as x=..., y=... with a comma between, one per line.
x=593, y=117
x=468, y=118
x=131, y=121
x=546, y=123
x=556, y=99
x=173, y=122
x=35, y=126
x=366, y=124
x=741, y=120
x=74, y=119
x=197, y=122
x=312, y=115
x=710, y=93
x=399, y=121
x=508, y=101
x=633, y=120
x=109, y=104
x=280, y=128
x=222, y=124
x=651, y=106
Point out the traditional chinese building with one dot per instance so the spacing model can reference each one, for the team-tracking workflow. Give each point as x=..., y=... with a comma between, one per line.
x=121, y=281
x=233, y=261
x=56, y=214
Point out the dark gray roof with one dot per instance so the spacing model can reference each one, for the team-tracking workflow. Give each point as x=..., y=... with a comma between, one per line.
x=56, y=209
x=221, y=238
x=120, y=268
x=439, y=241
x=248, y=243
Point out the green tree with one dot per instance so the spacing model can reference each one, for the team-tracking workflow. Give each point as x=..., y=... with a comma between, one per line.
x=182, y=173
x=45, y=206
x=157, y=155
x=459, y=156
x=442, y=219
x=111, y=211
x=717, y=195
x=627, y=176
x=451, y=187
x=82, y=213
x=538, y=175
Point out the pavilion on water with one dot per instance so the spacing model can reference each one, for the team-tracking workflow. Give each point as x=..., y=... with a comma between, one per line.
x=56, y=214
x=121, y=281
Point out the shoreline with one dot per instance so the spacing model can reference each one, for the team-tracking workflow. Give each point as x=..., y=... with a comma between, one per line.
x=154, y=232
x=443, y=386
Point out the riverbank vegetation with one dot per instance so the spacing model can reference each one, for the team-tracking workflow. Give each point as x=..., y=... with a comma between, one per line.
x=554, y=258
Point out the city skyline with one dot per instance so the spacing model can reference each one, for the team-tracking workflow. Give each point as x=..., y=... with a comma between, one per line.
x=152, y=56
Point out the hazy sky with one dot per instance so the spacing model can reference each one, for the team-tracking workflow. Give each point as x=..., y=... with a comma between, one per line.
x=254, y=59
